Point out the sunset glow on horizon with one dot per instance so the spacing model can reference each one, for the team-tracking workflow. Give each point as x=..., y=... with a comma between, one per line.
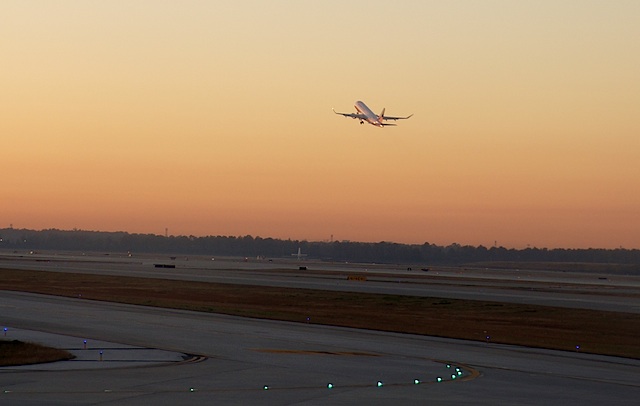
x=214, y=118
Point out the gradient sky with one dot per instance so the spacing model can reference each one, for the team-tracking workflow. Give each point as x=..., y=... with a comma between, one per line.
x=214, y=118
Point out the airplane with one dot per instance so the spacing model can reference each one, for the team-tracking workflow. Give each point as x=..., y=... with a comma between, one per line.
x=364, y=113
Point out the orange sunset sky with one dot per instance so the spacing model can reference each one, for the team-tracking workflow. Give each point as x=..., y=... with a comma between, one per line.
x=214, y=118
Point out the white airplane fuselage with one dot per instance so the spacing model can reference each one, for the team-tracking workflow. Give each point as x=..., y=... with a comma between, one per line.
x=370, y=117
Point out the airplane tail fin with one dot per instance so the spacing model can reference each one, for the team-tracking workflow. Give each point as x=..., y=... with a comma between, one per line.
x=382, y=114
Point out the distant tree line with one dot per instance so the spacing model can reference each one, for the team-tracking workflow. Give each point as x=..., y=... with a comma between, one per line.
x=248, y=246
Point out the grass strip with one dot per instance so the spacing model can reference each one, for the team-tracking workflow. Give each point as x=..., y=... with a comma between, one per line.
x=599, y=332
x=17, y=352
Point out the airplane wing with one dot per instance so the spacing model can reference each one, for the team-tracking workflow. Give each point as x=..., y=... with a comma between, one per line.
x=352, y=115
x=396, y=118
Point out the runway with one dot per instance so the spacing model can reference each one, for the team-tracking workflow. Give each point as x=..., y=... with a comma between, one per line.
x=296, y=362
x=239, y=357
x=595, y=291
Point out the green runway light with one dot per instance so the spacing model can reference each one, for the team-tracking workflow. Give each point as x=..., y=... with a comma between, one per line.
x=330, y=385
x=416, y=381
x=453, y=377
x=438, y=379
x=191, y=390
x=265, y=387
x=380, y=384
x=448, y=365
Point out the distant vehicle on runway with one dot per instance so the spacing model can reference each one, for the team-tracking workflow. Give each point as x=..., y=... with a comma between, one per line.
x=364, y=114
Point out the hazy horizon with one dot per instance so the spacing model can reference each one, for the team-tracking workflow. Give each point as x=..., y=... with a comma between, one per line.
x=167, y=233
x=214, y=118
